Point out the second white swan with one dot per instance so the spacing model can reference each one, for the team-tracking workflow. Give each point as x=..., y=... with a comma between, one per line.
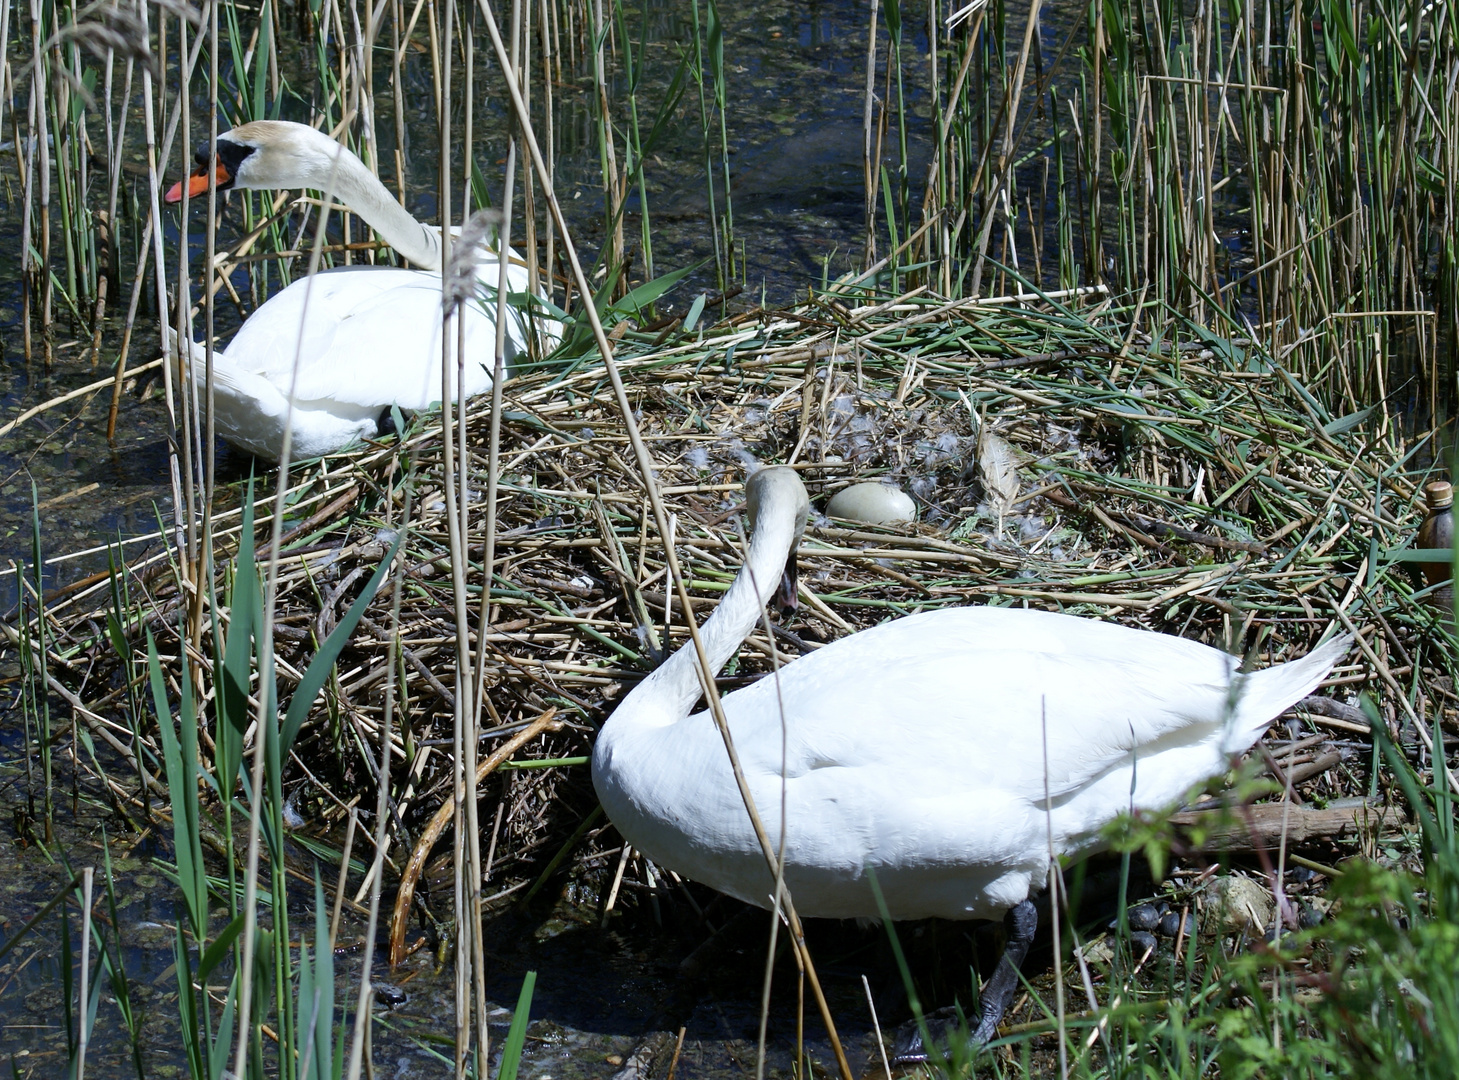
x=365, y=338
x=922, y=749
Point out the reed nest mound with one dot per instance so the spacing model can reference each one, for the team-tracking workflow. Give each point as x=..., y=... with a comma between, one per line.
x=1059, y=460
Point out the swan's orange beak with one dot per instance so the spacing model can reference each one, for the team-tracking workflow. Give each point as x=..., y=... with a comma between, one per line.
x=197, y=182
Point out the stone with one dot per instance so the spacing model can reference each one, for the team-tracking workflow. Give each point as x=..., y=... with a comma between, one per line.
x=1236, y=904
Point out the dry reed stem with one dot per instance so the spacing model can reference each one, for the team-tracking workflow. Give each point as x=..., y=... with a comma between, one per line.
x=411, y=874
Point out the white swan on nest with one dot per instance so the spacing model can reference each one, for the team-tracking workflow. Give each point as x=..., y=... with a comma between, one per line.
x=916, y=749
x=371, y=336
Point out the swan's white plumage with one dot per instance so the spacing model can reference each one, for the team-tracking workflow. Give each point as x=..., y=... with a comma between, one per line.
x=917, y=748
x=371, y=336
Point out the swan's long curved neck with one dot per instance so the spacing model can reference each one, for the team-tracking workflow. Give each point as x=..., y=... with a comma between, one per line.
x=349, y=181
x=667, y=695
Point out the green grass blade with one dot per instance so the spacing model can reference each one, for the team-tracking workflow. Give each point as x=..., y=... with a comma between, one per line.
x=237, y=667
x=517, y=1033
x=319, y=668
x=180, y=760
x=219, y=948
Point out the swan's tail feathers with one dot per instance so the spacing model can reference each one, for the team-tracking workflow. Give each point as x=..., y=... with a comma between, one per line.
x=247, y=407
x=1262, y=696
x=228, y=378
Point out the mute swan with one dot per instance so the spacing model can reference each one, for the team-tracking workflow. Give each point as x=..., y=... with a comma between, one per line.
x=372, y=336
x=917, y=749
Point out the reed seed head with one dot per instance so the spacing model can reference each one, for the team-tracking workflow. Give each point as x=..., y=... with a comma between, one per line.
x=470, y=245
x=105, y=28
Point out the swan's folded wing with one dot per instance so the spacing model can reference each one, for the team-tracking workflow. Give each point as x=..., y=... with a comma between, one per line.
x=975, y=698
x=370, y=338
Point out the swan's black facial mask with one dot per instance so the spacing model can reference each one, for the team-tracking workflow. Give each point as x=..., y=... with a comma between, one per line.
x=224, y=165
x=787, y=593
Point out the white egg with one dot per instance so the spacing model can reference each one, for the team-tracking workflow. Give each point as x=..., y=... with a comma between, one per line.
x=872, y=503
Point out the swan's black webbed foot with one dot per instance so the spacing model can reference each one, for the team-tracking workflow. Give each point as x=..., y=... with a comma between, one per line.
x=942, y=1026
x=385, y=422
x=1021, y=922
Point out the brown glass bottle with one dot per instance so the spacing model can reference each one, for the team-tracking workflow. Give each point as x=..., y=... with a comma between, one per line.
x=1437, y=531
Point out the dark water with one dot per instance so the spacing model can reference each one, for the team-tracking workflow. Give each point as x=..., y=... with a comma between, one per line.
x=606, y=996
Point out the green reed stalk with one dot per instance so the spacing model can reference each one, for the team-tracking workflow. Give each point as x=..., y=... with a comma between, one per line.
x=614, y=183
x=122, y=616
x=57, y=102
x=110, y=957
x=889, y=207
x=116, y=133
x=33, y=690
x=38, y=176
x=871, y=175
x=634, y=159
x=40, y=663
x=722, y=255
x=1068, y=265
x=6, y=80
x=541, y=253
x=714, y=39
x=68, y=982
x=893, y=15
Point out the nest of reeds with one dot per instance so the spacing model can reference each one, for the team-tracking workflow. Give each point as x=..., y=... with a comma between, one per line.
x=1059, y=460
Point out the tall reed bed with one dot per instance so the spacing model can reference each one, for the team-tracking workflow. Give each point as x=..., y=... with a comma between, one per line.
x=1238, y=164
x=1263, y=165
